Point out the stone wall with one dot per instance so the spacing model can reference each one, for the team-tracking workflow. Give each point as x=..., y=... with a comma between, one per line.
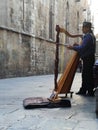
x=14, y=54
x=27, y=35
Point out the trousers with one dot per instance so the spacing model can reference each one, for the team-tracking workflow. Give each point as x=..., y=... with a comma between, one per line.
x=87, y=74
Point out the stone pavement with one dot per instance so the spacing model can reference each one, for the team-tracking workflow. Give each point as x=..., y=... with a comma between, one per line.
x=81, y=116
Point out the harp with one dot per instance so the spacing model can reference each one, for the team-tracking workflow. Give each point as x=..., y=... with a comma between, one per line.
x=63, y=85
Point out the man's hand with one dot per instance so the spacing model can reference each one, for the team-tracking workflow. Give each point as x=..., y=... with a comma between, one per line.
x=69, y=47
x=75, y=44
x=62, y=30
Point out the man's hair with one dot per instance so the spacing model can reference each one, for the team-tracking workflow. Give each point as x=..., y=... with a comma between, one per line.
x=87, y=24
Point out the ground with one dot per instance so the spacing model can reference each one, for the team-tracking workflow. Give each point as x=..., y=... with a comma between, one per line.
x=81, y=115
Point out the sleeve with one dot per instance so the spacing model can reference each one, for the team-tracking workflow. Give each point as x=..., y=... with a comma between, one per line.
x=84, y=46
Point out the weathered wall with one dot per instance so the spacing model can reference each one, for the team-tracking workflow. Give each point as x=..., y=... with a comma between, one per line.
x=14, y=54
x=27, y=35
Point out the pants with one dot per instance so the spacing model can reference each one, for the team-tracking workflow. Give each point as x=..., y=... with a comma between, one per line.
x=87, y=74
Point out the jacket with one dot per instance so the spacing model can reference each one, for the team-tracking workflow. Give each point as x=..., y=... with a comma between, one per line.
x=88, y=46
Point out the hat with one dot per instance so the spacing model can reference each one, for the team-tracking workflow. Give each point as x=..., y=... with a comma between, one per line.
x=87, y=24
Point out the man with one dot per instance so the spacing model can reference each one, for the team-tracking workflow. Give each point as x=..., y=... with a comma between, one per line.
x=87, y=53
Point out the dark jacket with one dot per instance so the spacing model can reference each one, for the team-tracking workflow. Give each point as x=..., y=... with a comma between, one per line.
x=87, y=48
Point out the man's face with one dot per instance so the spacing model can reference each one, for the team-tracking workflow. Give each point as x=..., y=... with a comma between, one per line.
x=85, y=29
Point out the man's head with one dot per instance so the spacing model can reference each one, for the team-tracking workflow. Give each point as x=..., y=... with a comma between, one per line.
x=87, y=24
x=86, y=27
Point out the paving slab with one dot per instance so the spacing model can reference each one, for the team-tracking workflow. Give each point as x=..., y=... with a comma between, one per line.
x=13, y=116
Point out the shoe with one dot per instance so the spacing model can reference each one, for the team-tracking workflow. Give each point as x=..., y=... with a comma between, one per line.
x=91, y=94
x=81, y=93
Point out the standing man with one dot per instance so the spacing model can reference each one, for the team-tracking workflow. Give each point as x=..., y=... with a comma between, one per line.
x=87, y=53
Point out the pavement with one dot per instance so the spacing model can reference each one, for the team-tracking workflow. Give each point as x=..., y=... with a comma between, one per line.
x=13, y=116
